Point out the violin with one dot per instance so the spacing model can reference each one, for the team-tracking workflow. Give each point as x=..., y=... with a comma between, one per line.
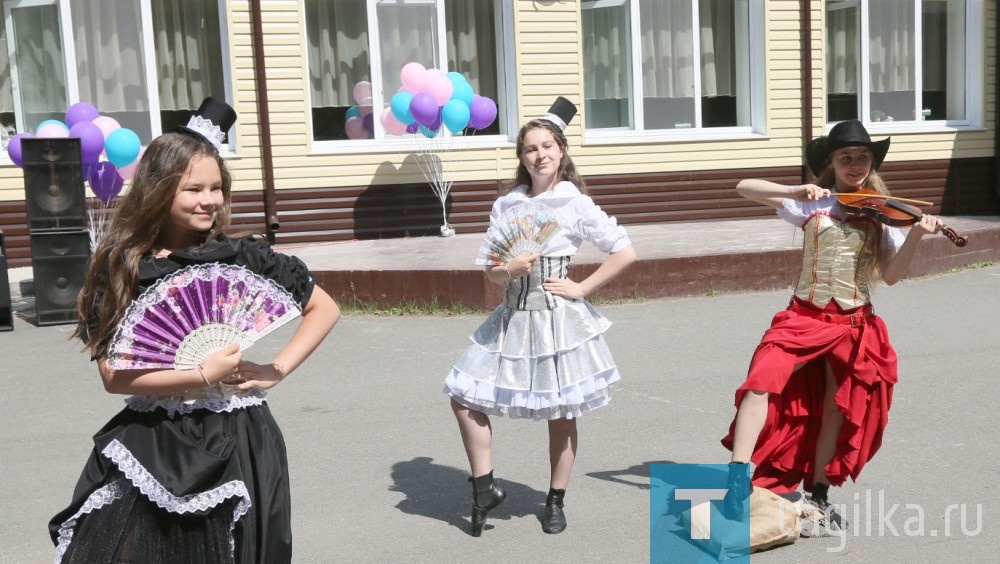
x=890, y=210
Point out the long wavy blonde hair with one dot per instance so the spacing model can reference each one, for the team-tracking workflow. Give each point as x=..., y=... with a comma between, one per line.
x=141, y=216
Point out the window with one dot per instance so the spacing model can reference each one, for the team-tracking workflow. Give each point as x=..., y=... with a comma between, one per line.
x=354, y=44
x=109, y=53
x=912, y=66
x=646, y=69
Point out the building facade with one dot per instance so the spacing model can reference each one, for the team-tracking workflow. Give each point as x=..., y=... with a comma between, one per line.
x=678, y=100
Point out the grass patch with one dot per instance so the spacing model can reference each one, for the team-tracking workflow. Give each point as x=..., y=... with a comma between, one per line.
x=973, y=266
x=712, y=292
x=434, y=307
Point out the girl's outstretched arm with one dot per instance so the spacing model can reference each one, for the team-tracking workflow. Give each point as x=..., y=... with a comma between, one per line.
x=771, y=193
x=318, y=318
x=609, y=269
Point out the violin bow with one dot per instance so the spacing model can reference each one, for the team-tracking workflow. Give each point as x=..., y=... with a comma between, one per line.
x=881, y=197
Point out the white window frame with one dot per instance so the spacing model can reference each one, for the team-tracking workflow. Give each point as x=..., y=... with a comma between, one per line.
x=974, y=85
x=757, y=84
x=149, y=59
x=383, y=143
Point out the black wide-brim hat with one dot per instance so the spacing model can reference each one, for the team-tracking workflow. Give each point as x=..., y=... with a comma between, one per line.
x=212, y=120
x=850, y=133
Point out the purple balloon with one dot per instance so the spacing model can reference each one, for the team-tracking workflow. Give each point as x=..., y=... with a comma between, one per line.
x=482, y=112
x=91, y=140
x=413, y=127
x=14, y=148
x=424, y=108
x=105, y=182
x=436, y=124
x=369, y=122
x=81, y=112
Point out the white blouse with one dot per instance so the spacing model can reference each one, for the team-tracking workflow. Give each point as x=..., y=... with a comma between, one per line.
x=580, y=218
x=798, y=213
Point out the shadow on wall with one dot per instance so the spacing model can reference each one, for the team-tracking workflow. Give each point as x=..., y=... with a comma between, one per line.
x=385, y=211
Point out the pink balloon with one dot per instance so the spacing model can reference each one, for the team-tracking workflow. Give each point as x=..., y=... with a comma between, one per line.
x=363, y=92
x=392, y=125
x=413, y=76
x=106, y=124
x=128, y=171
x=365, y=110
x=52, y=130
x=435, y=73
x=441, y=87
x=355, y=128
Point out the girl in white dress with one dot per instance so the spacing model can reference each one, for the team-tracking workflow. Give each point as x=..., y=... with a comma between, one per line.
x=541, y=354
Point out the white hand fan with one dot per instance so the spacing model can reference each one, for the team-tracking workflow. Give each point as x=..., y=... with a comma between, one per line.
x=190, y=314
x=521, y=229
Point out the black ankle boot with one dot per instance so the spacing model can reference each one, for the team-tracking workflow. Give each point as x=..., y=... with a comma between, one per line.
x=486, y=495
x=554, y=520
x=735, y=506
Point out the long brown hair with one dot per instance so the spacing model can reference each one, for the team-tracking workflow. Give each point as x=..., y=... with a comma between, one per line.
x=567, y=170
x=139, y=220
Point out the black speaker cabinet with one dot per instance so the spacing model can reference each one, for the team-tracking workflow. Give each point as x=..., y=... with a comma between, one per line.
x=59, y=265
x=53, y=184
x=6, y=312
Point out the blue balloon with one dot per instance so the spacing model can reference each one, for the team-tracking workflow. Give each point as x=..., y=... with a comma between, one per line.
x=455, y=115
x=463, y=91
x=51, y=121
x=457, y=77
x=400, y=105
x=353, y=111
x=428, y=132
x=122, y=147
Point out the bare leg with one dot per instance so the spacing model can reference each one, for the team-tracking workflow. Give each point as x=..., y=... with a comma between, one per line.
x=750, y=419
x=562, y=451
x=477, y=436
x=829, y=431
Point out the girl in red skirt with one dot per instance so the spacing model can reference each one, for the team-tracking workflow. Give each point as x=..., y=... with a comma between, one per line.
x=816, y=400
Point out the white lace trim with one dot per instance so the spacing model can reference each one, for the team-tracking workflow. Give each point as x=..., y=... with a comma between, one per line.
x=97, y=500
x=179, y=404
x=208, y=130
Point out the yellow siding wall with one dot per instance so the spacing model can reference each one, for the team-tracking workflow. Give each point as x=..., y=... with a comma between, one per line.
x=548, y=60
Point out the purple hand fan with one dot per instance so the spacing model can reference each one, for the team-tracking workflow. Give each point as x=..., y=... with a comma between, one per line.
x=521, y=229
x=190, y=314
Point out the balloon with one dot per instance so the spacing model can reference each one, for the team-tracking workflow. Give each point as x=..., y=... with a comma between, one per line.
x=457, y=77
x=128, y=171
x=400, y=105
x=81, y=112
x=91, y=140
x=413, y=127
x=413, y=76
x=106, y=124
x=463, y=91
x=355, y=129
x=52, y=130
x=424, y=108
x=455, y=115
x=436, y=124
x=363, y=93
x=441, y=88
x=428, y=132
x=14, y=149
x=392, y=125
x=368, y=122
x=105, y=182
x=365, y=110
x=122, y=146
x=353, y=111
x=52, y=121
x=482, y=112
x=435, y=73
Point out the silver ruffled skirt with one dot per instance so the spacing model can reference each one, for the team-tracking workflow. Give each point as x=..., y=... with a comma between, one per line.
x=537, y=356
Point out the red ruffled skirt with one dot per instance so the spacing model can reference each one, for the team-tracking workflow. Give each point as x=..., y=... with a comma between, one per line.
x=856, y=344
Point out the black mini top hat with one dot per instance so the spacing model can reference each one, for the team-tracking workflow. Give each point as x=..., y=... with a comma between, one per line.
x=850, y=133
x=212, y=120
x=561, y=113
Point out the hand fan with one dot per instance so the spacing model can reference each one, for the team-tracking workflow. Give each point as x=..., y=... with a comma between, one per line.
x=521, y=229
x=188, y=315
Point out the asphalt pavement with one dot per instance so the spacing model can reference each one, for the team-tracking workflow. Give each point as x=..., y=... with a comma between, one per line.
x=379, y=474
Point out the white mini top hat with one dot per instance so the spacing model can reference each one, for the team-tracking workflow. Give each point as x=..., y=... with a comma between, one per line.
x=212, y=120
x=561, y=113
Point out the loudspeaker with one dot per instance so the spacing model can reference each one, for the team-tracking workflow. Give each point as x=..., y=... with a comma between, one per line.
x=6, y=312
x=53, y=184
x=59, y=266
